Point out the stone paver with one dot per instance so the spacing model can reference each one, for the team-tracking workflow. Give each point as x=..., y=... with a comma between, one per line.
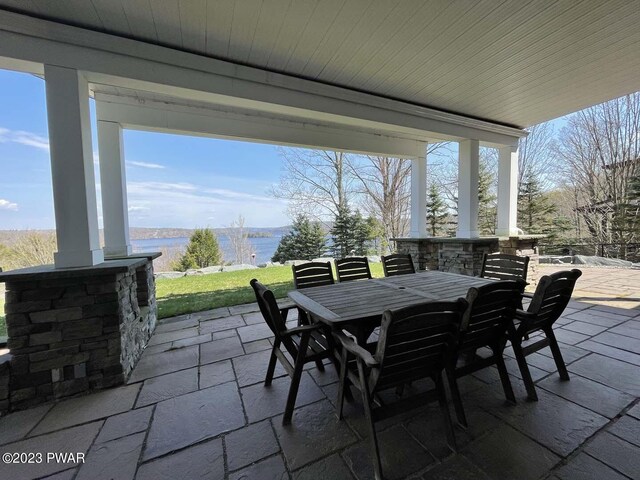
x=156, y=389
x=594, y=396
x=196, y=407
x=270, y=469
x=201, y=461
x=250, y=444
x=260, y=402
x=88, y=408
x=166, y=362
x=72, y=440
x=615, y=452
x=124, y=424
x=114, y=459
x=507, y=454
x=315, y=432
x=18, y=424
x=220, y=350
x=191, y=418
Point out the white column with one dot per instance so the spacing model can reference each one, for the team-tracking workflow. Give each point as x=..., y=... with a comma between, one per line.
x=507, y=191
x=113, y=186
x=74, y=187
x=468, y=176
x=419, y=197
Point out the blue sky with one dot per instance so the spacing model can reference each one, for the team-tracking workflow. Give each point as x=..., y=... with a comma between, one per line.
x=173, y=180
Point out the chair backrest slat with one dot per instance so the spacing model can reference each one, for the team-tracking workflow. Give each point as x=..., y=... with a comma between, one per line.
x=551, y=298
x=397, y=264
x=491, y=306
x=414, y=342
x=312, y=274
x=501, y=266
x=352, y=268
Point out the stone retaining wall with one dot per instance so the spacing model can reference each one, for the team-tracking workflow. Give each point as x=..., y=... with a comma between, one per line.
x=464, y=255
x=70, y=331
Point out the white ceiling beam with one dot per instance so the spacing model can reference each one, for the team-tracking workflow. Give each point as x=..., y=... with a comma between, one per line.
x=164, y=117
x=118, y=61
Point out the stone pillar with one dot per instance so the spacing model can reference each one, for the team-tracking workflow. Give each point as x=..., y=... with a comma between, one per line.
x=74, y=330
x=114, y=190
x=74, y=189
x=419, y=197
x=468, y=178
x=507, y=191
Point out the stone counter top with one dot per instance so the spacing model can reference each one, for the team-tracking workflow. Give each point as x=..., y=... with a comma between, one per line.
x=40, y=272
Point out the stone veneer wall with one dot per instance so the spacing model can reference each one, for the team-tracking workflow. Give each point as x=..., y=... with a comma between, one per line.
x=70, y=331
x=464, y=256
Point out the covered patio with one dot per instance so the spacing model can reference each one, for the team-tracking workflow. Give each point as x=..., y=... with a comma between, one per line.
x=183, y=397
x=195, y=407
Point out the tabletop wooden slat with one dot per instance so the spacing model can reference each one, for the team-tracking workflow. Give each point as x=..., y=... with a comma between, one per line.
x=345, y=303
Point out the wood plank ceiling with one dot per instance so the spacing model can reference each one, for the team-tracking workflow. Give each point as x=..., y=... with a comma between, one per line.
x=509, y=61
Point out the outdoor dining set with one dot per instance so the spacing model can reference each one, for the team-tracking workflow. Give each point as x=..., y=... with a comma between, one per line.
x=426, y=325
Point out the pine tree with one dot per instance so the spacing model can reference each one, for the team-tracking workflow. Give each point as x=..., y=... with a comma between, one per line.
x=305, y=241
x=436, y=212
x=203, y=250
x=343, y=233
x=363, y=233
x=537, y=214
x=487, y=211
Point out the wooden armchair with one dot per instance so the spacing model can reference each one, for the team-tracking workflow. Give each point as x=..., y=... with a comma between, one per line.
x=500, y=266
x=397, y=264
x=312, y=274
x=352, y=268
x=549, y=301
x=304, y=344
x=492, y=308
x=415, y=343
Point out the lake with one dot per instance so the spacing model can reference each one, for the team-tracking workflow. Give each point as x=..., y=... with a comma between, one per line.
x=264, y=247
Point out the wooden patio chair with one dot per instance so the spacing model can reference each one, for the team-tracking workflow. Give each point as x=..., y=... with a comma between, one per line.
x=304, y=344
x=352, y=268
x=397, y=264
x=491, y=311
x=415, y=343
x=311, y=274
x=501, y=266
x=549, y=301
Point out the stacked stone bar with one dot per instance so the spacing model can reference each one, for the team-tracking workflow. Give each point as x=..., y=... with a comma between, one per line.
x=74, y=330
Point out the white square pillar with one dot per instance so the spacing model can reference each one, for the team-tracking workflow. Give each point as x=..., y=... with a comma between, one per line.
x=507, y=191
x=74, y=187
x=419, y=197
x=113, y=182
x=468, y=178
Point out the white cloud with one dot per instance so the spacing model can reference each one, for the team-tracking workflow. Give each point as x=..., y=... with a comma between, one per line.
x=146, y=165
x=24, y=138
x=166, y=204
x=7, y=205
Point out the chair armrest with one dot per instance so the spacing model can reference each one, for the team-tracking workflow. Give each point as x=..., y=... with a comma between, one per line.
x=352, y=347
x=523, y=316
x=527, y=295
x=302, y=329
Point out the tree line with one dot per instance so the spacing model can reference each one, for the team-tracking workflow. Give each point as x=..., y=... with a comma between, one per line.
x=579, y=183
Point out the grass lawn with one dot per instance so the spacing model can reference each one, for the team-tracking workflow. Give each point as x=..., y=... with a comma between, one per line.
x=204, y=292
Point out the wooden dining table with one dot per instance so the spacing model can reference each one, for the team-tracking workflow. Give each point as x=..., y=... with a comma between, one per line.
x=357, y=306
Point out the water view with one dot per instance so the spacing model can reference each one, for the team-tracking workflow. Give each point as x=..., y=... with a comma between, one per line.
x=264, y=247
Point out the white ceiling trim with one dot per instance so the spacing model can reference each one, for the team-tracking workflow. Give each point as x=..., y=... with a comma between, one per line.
x=113, y=60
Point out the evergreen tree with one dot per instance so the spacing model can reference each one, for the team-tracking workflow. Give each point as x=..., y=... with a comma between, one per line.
x=537, y=214
x=487, y=211
x=305, y=241
x=363, y=233
x=436, y=212
x=203, y=251
x=343, y=233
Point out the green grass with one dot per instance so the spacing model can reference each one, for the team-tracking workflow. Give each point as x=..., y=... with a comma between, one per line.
x=204, y=292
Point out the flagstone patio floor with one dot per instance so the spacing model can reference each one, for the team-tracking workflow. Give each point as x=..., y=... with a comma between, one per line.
x=195, y=407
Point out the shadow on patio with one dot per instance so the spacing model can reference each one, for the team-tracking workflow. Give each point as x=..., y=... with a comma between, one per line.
x=195, y=407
